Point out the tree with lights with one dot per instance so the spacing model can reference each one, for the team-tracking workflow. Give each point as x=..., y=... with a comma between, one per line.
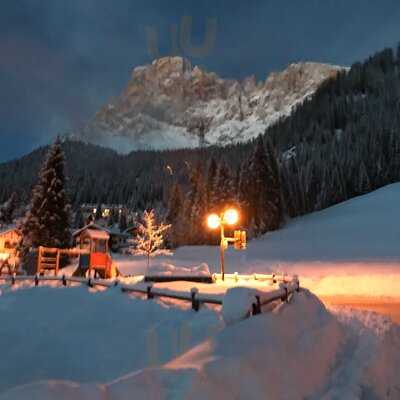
x=150, y=237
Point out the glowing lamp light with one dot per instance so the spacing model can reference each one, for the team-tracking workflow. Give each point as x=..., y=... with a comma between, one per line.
x=231, y=216
x=213, y=221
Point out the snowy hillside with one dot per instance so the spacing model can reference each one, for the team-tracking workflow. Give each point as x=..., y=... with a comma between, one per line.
x=349, y=249
x=170, y=104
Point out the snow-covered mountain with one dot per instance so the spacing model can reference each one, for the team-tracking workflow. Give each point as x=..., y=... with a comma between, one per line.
x=171, y=104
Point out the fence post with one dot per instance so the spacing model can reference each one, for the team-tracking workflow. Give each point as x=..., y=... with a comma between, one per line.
x=149, y=294
x=36, y=280
x=256, y=306
x=285, y=297
x=195, y=301
x=39, y=260
x=296, y=278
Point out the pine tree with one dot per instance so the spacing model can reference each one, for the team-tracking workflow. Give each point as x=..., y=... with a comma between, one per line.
x=198, y=213
x=47, y=221
x=223, y=191
x=174, y=203
x=184, y=227
x=79, y=221
x=7, y=211
x=243, y=194
x=123, y=223
x=99, y=212
x=262, y=191
x=174, y=210
x=150, y=237
x=210, y=184
x=113, y=217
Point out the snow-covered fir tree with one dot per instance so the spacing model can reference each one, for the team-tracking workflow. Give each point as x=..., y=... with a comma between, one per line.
x=210, y=184
x=47, y=221
x=150, y=237
x=198, y=213
x=260, y=190
x=79, y=221
x=223, y=191
x=98, y=215
x=123, y=220
x=8, y=209
x=175, y=204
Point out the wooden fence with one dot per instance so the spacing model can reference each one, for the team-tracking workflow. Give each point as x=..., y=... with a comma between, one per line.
x=287, y=287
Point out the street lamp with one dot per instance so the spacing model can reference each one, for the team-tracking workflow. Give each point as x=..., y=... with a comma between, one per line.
x=228, y=217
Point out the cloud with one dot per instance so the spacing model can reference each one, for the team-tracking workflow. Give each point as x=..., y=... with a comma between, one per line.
x=60, y=61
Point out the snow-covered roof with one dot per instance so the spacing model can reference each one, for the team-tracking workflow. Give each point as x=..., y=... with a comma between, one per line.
x=96, y=234
x=95, y=228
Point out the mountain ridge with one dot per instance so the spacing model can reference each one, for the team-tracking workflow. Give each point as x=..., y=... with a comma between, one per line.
x=171, y=104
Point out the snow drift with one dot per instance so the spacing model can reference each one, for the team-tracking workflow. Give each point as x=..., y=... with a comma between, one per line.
x=299, y=350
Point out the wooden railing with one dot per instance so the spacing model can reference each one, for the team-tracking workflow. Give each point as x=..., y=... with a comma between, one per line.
x=49, y=258
x=283, y=293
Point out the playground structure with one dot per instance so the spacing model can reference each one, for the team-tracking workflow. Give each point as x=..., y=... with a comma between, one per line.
x=93, y=253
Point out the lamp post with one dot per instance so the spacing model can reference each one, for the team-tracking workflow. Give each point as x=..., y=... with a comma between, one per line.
x=228, y=217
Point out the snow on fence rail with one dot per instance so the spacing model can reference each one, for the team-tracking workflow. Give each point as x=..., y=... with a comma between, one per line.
x=287, y=287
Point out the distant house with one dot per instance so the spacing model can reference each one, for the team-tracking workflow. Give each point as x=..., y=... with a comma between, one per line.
x=9, y=240
x=131, y=230
x=91, y=209
x=117, y=239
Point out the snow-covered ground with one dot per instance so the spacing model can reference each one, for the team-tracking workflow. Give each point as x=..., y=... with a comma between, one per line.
x=84, y=343
x=352, y=249
x=76, y=343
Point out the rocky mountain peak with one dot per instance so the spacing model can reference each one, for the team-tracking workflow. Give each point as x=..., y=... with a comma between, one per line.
x=170, y=103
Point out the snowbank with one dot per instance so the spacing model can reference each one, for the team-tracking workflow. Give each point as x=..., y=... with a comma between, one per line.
x=300, y=350
x=84, y=335
x=166, y=269
x=237, y=304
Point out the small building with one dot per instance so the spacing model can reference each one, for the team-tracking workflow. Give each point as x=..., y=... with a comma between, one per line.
x=91, y=209
x=115, y=239
x=95, y=257
x=9, y=240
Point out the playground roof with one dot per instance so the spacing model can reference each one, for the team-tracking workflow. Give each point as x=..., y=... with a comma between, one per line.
x=94, y=231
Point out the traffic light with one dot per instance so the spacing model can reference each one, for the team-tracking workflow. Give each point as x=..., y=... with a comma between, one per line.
x=240, y=240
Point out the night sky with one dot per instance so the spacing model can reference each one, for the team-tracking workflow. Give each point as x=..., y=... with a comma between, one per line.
x=61, y=60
